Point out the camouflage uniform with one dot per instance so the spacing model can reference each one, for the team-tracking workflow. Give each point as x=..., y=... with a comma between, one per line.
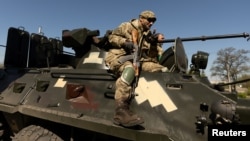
x=123, y=116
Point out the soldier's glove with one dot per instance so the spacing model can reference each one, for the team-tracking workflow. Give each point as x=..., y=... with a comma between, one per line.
x=104, y=42
x=152, y=38
x=108, y=32
x=128, y=46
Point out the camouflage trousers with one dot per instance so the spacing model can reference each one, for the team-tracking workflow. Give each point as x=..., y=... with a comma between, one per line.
x=123, y=90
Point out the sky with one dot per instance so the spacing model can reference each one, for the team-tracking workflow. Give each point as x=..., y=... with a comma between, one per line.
x=175, y=18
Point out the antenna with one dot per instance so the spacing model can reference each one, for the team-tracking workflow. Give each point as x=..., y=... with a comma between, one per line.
x=40, y=30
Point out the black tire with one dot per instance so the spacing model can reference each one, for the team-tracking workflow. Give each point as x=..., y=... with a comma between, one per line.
x=35, y=133
x=5, y=132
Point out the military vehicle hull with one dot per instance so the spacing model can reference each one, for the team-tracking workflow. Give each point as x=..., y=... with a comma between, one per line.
x=169, y=103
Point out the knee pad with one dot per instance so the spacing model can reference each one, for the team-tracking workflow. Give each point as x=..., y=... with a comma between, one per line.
x=128, y=75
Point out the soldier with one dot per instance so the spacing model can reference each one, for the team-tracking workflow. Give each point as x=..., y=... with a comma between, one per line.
x=123, y=39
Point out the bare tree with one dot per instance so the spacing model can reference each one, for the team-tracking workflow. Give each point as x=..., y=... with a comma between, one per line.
x=230, y=63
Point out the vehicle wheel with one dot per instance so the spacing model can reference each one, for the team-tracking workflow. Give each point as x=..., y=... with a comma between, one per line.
x=4, y=130
x=1, y=131
x=35, y=133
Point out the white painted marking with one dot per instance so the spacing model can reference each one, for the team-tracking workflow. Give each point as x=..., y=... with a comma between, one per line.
x=139, y=90
x=60, y=83
x=93, y=58
x=154, y=93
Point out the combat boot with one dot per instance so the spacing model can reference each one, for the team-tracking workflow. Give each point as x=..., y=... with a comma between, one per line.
x=125, y=117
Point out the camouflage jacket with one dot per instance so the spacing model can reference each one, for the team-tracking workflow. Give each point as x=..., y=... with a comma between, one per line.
x=124, y=33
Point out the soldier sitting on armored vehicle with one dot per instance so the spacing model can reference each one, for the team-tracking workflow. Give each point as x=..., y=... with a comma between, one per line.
x=124, y=39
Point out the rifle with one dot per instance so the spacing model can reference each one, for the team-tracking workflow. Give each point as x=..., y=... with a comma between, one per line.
x=136, y=61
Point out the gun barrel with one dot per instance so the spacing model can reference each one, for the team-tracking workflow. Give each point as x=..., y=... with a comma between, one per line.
x=94, y=33
x=235, y=82
x=204, y=38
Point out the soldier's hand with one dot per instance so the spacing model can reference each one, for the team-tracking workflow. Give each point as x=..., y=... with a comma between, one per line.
x=152, y=38
x=108, y=32
x=156, y=37
x=128, y=46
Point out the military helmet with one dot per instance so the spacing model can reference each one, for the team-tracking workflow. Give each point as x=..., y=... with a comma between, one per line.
x=148, y=14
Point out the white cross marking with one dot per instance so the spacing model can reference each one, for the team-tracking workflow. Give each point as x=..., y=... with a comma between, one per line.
x=93, y=58
x=60, y=83
x=154, y=93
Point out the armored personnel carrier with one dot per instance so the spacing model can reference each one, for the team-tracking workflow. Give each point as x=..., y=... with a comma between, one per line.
x=49, y=94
